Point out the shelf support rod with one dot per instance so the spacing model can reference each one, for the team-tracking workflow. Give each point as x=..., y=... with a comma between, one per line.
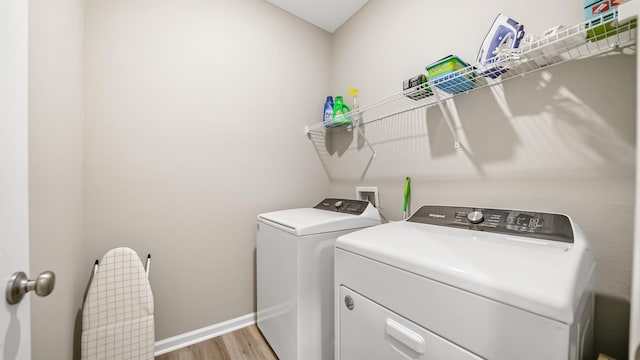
x=447, y=119
x=358, y=125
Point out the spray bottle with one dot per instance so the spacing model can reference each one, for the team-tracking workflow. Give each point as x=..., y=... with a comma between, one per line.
x=356, y=117
x=354, y=92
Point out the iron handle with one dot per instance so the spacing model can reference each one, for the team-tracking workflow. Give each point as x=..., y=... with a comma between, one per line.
x=19, y=285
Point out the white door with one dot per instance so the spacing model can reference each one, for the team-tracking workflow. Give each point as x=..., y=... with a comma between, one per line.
x=15, y=330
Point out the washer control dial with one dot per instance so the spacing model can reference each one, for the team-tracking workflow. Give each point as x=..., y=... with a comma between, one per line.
x=338, y=204
x=475, y=217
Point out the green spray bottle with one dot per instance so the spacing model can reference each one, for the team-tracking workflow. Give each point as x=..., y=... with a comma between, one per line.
x=339, y=109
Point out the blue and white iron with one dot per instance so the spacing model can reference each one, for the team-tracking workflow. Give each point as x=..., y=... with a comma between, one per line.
x=505, y=34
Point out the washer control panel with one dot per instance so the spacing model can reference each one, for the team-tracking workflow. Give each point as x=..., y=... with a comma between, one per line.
x=510, y=222
x=355, y=207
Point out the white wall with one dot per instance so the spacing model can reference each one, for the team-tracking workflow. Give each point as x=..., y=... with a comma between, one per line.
x=562, y=140
x=55, y=167
x=194, y=125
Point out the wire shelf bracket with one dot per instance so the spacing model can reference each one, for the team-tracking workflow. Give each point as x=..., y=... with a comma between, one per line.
x=447, y=119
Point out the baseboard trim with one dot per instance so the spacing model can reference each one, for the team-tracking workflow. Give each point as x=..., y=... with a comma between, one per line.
x=205, y=333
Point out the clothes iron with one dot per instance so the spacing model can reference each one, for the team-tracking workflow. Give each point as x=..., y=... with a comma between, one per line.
x=505, y=34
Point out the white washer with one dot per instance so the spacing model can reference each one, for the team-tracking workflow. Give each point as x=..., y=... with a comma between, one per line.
x=465, y=283
x=295, y=274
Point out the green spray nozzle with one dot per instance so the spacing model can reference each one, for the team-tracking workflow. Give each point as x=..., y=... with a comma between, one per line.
x=407, y=192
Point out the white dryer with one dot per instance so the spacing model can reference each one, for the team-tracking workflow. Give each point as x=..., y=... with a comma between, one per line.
x=295, y=274
x=465, y=283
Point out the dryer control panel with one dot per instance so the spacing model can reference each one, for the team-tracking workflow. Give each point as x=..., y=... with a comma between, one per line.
x=355, y=207
x=546, y=226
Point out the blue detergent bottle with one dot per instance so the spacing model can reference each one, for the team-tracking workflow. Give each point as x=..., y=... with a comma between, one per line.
x=328, y=112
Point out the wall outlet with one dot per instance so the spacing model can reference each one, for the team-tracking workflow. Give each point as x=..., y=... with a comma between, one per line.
x=368, y=193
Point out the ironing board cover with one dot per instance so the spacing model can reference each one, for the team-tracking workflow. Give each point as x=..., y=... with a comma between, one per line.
x=117, y=319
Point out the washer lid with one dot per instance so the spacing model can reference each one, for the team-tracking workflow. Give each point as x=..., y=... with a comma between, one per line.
x=307, y=221
x=542, y=277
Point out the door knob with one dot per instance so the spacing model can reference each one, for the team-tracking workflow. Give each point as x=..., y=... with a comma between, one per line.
x=19, y=285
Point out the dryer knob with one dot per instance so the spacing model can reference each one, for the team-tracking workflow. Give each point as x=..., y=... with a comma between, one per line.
x=338, y=204
x=475, y=217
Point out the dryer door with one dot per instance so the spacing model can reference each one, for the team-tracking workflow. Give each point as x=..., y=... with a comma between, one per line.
x=370, y=331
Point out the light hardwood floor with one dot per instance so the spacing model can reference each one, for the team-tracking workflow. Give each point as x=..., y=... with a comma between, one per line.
x=244, y=344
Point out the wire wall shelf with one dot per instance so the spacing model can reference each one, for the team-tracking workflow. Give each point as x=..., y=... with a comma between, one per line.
x=596, y=37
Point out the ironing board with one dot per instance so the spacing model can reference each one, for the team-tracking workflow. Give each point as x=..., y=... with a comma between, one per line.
x=117, y=319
